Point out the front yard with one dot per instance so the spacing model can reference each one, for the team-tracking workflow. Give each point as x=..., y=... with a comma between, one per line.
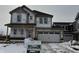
x=46, y=48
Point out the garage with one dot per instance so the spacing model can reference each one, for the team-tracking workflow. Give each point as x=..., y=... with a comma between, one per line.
x=49, y=36
x=68, y=37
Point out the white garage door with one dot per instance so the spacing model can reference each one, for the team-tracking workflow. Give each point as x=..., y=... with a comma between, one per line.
x=49, y=36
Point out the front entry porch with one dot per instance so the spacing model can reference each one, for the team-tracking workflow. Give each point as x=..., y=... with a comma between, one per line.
x=28, y=30
x=19, y=37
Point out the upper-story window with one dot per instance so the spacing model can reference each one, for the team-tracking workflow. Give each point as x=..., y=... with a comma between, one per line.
x=41, y=20
x=30, y=17
x=45, y=20
x=19, y=18
x=27, y=17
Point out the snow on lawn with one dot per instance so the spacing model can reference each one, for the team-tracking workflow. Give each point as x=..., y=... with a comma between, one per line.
x=12, y=48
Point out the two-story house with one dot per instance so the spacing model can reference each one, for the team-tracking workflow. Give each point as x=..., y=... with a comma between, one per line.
x=25, y=22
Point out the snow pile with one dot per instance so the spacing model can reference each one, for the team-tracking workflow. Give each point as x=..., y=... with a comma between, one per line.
x=58, y=48
x=64, y=47
x=70, y=47
x=77, y=47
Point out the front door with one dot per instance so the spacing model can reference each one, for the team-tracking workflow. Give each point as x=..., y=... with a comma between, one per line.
x=28, y=33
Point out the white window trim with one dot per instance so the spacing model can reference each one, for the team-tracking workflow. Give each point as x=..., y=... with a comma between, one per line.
x=43, y=20
x=20, y=17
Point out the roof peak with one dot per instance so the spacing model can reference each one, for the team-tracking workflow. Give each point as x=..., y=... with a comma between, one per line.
x=23, y=6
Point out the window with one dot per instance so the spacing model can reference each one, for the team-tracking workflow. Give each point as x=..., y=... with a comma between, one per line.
x=18, y=18
x=22, y=32
x=41, y=20
x=66, y=27
x=40, y=32
x=15, y=30
x=45, y=20
x=45, y=32
x=30, y=17
x=27, y=17
x=51, y=32
x=68, y=35
x=57, y=33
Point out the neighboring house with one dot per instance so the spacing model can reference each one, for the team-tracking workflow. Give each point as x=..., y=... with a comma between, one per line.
x=25, y=22
x=76, y=28
x=67, y=29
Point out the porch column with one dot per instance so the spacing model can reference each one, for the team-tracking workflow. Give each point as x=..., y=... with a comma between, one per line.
x=6, y=34
x=61, y=35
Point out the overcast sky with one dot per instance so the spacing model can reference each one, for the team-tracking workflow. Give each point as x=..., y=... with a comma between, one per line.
x=62, y=13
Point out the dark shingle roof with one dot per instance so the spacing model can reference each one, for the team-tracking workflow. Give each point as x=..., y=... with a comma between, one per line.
x=41, y=13
x=62, y=22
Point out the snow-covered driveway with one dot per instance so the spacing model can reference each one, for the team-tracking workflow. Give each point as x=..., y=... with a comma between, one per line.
x=56, y=48
x=46, y=48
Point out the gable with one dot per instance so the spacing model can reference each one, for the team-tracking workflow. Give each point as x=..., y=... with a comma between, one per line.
x=22, y=9
x=18, y=10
